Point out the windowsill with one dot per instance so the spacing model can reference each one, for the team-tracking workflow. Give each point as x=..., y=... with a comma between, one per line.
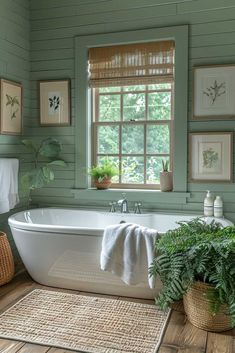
x=92, y=194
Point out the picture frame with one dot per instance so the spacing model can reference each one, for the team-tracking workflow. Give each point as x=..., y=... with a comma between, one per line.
x=211, y=156
x=213, y=92
x=54, y=98
x=10, y=107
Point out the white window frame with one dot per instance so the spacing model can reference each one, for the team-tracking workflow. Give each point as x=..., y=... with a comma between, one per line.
x=83, y=103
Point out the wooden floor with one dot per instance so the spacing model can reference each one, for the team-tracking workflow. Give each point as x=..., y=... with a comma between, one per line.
x=180, y=335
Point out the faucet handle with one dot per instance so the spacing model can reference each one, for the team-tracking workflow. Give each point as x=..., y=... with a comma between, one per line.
x=112, y=205
x=137, y=207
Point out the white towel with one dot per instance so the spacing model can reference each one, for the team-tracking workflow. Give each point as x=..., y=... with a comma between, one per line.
x=128, y=251
x=9, y=197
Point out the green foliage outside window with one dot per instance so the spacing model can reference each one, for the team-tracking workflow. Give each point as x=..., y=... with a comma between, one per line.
x=140, y=103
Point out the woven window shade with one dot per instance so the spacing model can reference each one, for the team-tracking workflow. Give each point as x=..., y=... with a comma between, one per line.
x=131, y=64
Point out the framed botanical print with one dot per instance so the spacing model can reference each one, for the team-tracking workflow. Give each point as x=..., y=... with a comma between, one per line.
x=10, y=107
x=54, y=102
x=213, y=92
x=211, y=156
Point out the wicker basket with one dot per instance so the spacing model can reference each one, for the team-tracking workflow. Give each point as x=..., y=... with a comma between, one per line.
x=6, y=260
x=103, y=184
x=196, y=305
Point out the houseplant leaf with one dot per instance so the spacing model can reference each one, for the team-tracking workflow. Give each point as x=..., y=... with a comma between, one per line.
x=50, y=148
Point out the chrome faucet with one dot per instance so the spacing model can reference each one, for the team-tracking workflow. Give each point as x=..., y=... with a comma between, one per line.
x=123, y=203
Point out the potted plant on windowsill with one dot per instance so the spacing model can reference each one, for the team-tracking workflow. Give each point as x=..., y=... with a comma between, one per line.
x=166, y=178
x=196, y=262
x=102, y=174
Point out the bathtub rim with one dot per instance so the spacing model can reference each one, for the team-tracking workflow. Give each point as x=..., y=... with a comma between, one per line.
x=13, y=222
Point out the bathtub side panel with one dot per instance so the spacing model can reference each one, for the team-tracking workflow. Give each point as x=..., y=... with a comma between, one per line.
x=72, y=261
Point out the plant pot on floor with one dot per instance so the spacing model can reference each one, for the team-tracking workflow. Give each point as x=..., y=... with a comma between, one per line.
x=197, y=308
x=103, y=184
x=166, y=181
x=6, y=260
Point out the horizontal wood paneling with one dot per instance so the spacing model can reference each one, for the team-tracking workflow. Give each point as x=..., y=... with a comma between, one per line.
x=15, y=65
x=54, y=25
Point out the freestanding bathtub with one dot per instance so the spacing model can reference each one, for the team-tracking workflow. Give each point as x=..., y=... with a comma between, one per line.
x=61, y=247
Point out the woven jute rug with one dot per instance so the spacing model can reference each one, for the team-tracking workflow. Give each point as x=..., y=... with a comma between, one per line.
x=84, y=323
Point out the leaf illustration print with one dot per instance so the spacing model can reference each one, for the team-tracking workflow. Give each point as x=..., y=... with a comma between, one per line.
x=214, y=91
x=14, y=104
x=54, y=102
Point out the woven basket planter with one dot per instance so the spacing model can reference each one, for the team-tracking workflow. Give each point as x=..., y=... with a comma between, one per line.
x=103, y=184
x=6, y=260
x=197, y=304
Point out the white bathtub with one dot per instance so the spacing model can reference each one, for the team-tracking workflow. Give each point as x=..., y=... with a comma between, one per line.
x=61, y=247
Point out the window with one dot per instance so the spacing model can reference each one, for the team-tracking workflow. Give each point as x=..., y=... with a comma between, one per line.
x=84, y=46
x=133, y=121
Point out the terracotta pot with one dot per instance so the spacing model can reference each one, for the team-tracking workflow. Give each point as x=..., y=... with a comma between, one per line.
x=103, y=184
x=197, y=308
x=7, y=268
x=166, y=181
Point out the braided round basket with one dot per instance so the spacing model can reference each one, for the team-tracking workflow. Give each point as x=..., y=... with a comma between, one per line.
x=197, y=304
x=6, y=260
x=103, y=184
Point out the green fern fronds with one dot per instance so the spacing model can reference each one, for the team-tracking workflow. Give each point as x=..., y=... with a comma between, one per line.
x=196, y=251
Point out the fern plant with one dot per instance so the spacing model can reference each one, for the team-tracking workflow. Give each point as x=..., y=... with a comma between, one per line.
x=102, y=171
x=197, y=251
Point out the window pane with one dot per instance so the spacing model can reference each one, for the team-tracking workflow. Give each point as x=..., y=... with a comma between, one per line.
x=108, y=139
x=109, y=89
x=159, y=106
x=133, y=139
x=134, y=106
x=132, y=170
x=134, y=88
x=154, y=167
x=158, y=139
x=109, y=107
x=114, y=161
x=159, y=86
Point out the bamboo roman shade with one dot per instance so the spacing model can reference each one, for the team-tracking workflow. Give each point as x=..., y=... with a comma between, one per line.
x=131, y=64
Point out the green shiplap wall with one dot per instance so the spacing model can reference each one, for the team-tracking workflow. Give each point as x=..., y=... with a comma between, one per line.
x=55, y=23
x=15, y=66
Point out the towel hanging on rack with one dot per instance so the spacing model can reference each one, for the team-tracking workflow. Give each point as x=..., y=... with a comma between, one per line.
x=9, y=168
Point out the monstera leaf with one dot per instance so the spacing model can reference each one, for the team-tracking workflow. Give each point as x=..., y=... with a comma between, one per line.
x=29, y=144
x=42, y=173
x=50, y=148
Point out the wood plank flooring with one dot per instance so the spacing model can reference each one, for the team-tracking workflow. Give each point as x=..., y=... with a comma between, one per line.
x=180, y=336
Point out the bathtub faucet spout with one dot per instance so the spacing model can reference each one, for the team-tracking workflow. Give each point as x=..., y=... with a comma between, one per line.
x=123, y=204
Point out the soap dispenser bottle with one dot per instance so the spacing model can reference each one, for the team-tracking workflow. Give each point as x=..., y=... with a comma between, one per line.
x=208, y=205
x=218, y=207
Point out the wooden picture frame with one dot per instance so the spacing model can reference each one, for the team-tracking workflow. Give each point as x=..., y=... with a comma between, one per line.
x=211, y=156
x=213, y=92
x=54, y=98
x=11, y=94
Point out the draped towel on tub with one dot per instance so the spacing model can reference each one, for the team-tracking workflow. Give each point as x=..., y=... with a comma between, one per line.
x=9, y=168
x=128, y=251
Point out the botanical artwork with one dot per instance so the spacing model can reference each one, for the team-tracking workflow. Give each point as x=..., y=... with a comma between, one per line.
x=14, y=105
x=211, y=156
x=54, y=102
x=214, y=91
x=11, y=107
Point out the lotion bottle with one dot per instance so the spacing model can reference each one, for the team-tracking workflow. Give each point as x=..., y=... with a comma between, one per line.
x=208, y=205
x=218, y=207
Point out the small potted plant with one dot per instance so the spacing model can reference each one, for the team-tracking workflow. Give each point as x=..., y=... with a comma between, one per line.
x=196, y=262
x=166, y=178
x=102, y=174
